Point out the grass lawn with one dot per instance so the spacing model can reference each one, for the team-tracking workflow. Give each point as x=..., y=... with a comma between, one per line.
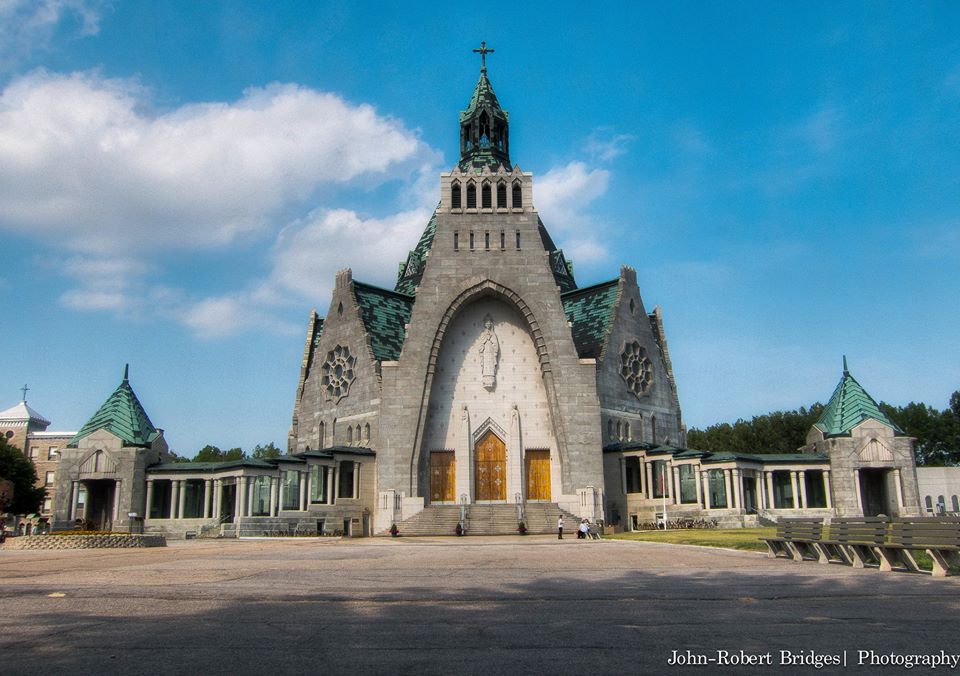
x=730, y=538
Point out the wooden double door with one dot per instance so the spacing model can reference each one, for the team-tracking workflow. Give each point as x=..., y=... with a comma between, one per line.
x=490, y=458
x=537, y=471
x=443, y=475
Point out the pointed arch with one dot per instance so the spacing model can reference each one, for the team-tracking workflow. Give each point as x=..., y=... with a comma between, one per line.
x=486, y=198
x=455, y=196
x=501, y=195
x=471, y=195
x=517, y=201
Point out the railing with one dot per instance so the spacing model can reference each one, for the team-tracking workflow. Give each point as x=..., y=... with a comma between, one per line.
x=521, y=508
x=464, y=511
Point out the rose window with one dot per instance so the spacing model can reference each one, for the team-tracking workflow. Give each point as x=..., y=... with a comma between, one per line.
x=338, y=372
x=636, y=368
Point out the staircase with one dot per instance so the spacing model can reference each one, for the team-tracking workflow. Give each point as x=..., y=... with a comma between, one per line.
x=488, y=520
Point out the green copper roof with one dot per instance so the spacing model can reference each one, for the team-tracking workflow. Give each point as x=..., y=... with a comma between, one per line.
x=412, y=271
x=385, y=316
x=848, y=407
x=123, y=415
x=483, y=97
x=484, y=130
x=589, y=311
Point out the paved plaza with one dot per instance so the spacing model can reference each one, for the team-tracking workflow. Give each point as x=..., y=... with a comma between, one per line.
x=452, y=606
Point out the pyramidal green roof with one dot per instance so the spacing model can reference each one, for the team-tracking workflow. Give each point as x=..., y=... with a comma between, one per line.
x=848, y=407
x=483, y=96
x=123, y=415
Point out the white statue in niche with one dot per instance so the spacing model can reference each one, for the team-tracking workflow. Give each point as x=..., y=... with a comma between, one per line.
x=489, y=353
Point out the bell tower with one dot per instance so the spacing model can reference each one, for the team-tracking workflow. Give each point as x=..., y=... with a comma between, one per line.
x=484, y=125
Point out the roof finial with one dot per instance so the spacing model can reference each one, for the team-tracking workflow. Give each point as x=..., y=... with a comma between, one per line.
x=126, y=372
x=846, y=371
x=483, y=51
x=24, y=389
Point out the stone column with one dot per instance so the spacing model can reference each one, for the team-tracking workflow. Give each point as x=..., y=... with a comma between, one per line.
x=826, y=488
x=696, y=482
x=74, y=496
x=705, y=474
x=217, y=499
x=250, y=484
x=117, y=487
x=726, y=486
x=650, y=483
x=332, y=482
x=174, y=494
x=273, y=496
x=242, y=496
x=623, y=475
x=282, y=491
x=676, y=485
x=737, y=478
x=182, y=498
x=899, y=488
x=769, y=482
x=643, y=477
x=802, y=480
x=149, y=498
x=357, y=471
x=856, y=489
x=302, y=482
x=667, y=478
x=793, y=484
x=207, y=497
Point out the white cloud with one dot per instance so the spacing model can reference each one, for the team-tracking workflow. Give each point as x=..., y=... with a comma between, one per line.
x=31, y=25
x=604, y=144
x=563, y=196
x=87, y=165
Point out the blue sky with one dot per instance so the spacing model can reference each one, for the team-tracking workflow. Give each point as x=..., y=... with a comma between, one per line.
x=180, y=181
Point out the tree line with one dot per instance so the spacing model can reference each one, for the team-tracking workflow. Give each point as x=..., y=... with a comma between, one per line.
x=210, y=453
x=937, y=432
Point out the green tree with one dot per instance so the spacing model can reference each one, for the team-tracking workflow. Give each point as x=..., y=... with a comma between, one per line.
x=213, y=454
x=266, y=451
x=776, y=432
x=17, y=468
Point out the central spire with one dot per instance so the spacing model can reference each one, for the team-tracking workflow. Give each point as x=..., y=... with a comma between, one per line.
x=484, y=125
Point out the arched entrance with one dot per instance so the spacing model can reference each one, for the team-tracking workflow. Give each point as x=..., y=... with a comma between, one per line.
x=490, y=463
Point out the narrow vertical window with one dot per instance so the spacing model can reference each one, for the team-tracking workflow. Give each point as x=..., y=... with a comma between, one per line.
x=486, y=241
x=517, y=196
x=471, y=196
x=518, y=239
x=486, y=201
x=503, y=240
x=501, y=195
x=456, y=241
x=471, y=240
x=455, y=196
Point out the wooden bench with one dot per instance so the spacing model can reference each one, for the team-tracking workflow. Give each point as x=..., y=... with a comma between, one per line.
x=795, y=539
x=939, y=536
x=853, y=541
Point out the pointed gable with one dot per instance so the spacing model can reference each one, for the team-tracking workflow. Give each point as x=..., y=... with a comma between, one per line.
x=849, y=406
x=122, y=415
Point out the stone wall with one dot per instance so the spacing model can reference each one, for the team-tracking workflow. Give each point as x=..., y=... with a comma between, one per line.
x=110, y=541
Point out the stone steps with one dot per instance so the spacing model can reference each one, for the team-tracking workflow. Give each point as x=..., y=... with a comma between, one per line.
x=501, y=519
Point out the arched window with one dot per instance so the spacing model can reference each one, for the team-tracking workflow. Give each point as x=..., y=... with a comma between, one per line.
x=941, y=505
x=501, y=195
x=517, y=202
x=956, y=503
x=321, y=435
x=455, y=196
x=653, y=429
x=485, y=197
x=626, y=431
x=358, y=435
x=349, y=435
x=471, y=196
x=366, y=433
x=928, y=502
x=619, y=431
x=640, y=429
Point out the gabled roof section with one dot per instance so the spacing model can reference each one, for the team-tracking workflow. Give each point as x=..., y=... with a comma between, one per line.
x=411, y=272
x=562, y=268
x=385, y=315
x=24, y=414
x=849, y=406
x=123, y=415
x=589, y=311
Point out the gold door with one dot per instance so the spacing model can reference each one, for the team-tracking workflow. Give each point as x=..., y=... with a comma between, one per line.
x=537, y=463
x=491, y=468
x=442, y=477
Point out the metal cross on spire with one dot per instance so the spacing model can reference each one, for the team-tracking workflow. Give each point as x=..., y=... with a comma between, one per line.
x=24, y=389
x=483, y=51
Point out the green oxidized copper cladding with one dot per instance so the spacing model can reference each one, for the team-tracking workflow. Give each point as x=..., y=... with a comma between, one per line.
x=412, y=271
x=123, y=415
x=484, y=130
x=849, y=406
x=385, y=316
x=589, y=311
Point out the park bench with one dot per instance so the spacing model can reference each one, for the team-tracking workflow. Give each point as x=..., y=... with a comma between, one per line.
x=853, y=541
x=939, y=536
x=796, y=539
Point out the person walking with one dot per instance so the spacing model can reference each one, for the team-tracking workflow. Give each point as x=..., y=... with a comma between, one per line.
x=560, y=527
